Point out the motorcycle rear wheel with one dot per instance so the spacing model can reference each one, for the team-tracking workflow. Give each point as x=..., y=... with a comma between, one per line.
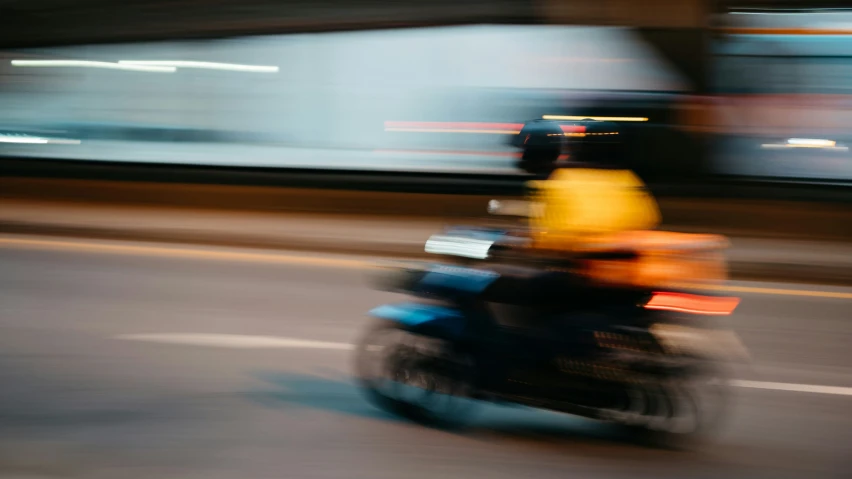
x=682, y=413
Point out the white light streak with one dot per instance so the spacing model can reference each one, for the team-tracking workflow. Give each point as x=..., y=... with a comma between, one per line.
x=805, y=143
x=811, y=142
x=236, y=67
x=36, y=140
x=93, y=64
x=22, y=139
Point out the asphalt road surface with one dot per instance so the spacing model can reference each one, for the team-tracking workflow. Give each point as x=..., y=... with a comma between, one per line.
x=122, y=360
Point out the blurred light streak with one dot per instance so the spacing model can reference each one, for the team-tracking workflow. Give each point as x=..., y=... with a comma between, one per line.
x=450, y=130
x=811, y=142
x=316, y=260
x=770, y=146
x=164, y=251
x=579, y=130
x=454, y=127
x=35, y=140
x=785, y=11
x=234, y=341
x=586, y=60
x=802, y=388
x=595, y=118
x=92, y=64
x=805, y=143
x=783, y=31
x=236, y=67
x=22, y=139
x=510, y=208
x=769, y=291
x=470, y=127
x=450, y=152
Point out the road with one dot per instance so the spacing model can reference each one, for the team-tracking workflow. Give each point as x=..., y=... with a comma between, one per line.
x=142, y=361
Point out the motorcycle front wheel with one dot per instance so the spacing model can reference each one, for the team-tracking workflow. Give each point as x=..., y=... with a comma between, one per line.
x=416, y=377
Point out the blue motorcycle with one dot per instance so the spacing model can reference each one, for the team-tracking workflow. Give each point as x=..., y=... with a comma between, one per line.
x=646, y=360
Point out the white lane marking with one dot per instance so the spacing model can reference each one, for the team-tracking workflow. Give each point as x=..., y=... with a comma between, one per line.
x=802, y=388
x=234, y=341
x=237, y=341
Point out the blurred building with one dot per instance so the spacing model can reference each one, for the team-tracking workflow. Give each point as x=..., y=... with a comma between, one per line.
x=710, y=82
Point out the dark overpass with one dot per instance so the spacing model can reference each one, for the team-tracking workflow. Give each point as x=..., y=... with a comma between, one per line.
x=676, y=27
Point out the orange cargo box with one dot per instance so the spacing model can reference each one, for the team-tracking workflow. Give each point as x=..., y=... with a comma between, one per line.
x=660, y=259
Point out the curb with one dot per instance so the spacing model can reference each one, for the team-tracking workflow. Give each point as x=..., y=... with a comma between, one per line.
x=738, y=270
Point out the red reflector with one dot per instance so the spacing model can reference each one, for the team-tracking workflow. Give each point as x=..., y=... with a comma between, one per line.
x=692, y=303
x=573, y=128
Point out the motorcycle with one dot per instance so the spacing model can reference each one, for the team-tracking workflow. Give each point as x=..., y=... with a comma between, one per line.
x=516, y=324
x=647, y=360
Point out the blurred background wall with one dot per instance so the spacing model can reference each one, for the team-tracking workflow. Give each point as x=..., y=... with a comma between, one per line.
x=338, y=89
x=721, y=87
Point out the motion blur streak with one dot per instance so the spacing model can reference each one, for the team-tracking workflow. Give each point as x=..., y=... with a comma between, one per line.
x=452, y=130
x=191, y=263
x=92, y=64
x=470, y=127
x=775, y=291
x=333, y=262
x=35, y=140
x=598, y=118
x=453, y=127
x=22, y=139
x=204, y=65
x=785, y=31
x=452, y=152
x=804, y=388
x=234, y=341
x=78, y=402
x=689, y=303
x=185, y=253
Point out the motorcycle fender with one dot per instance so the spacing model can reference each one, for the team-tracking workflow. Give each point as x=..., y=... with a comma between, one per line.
x=717, y=344
x=426, y=319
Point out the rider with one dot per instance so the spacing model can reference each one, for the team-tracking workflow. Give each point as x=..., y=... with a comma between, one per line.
x=594, y=212
x=592, y=193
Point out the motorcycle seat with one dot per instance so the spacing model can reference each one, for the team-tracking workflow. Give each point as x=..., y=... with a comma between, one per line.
x=518, y=285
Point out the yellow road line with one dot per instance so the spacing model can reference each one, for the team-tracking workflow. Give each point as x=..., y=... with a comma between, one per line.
x=185, y=253
x=774, y=291
x=277, y=258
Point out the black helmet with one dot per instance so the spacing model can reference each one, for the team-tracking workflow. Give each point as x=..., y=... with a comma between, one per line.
x=541, y=142
x=601, y=144
x=595, y=143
